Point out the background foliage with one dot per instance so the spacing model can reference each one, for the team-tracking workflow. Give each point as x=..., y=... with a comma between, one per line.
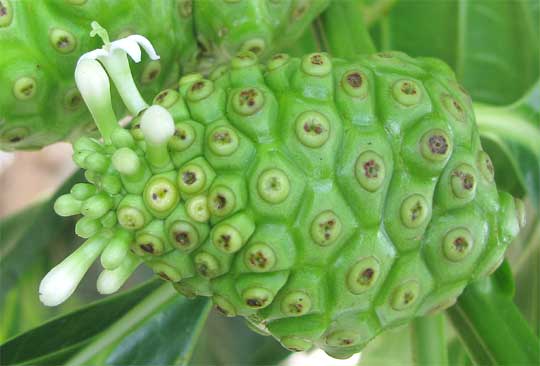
x=493, y=46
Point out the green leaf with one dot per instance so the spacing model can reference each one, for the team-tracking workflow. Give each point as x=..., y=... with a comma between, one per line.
x=511, y=136
x=457, y=354
x=30, y=233
x=163, y=329
x=54, y=341
x=392, y=347
x=490, y=325
x=228, y=341
x=343, y=20
x=492, y=45
x=528, y=279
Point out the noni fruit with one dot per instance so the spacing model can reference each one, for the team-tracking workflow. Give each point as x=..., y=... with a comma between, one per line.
x=324, y=200
x=41, y=41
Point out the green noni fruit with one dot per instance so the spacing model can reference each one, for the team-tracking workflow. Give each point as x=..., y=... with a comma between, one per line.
x=41, y=41
x=324, y=200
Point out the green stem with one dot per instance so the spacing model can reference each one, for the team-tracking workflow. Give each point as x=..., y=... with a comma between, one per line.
x=429, y=341
x=377, y=10
x=508, y=122
x=491, y=327
x=346, y=34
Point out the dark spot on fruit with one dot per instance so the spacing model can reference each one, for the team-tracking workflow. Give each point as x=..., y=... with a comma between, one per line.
x=161, y=97
x=416, y=211
x=313, y=126
x=153, y=74
x=408, y=88
x=317, y=60
x=226, y=240
x=366, y=276
x=3, y=9
x=467, y=180
x=346, y=341
x=355, y=80
x=220, y=201
x=222, y=137
x=460, y=244
x=197, y=86
x=279, y=56
x=203, y=269
x=164, y=276
x=457, y=106
x=189, y=178
x=221, y=310
x=148, y=248
x=438, y=144
x=27, y=90
x=296, y=307
x=258, y=259
x=255, y=49
x=408, y=297
x=15, y=139
x=247, y=97
x=182, y=238
x=154, y=196
x=63, y=42
x=256, y=303
x=489, y=165
x=371, y=169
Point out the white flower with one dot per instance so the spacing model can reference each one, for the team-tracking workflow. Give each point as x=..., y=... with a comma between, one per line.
x=130, y=45
x=113, y=56
x=62, y=280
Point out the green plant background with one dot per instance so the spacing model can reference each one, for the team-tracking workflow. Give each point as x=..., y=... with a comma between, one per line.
x=493, y=47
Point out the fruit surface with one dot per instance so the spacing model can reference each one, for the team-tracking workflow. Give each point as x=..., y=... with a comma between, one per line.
x=41, y=41
x=323, y=200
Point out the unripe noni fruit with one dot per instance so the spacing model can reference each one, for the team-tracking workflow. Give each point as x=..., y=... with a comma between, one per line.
x=324, y=200
x=41, y=41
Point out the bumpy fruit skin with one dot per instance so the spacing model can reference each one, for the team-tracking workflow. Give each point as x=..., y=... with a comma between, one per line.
x=42, y=40
x=260, y=26
x=323, y=200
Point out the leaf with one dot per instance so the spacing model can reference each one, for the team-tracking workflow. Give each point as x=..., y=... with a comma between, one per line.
x=59, y=337
x=31, y=233
x=491, y=326
x=511, y=136
x=228, y=341
x=528, y=279
x=492, y=45
x=393, y=347
x=163, y=329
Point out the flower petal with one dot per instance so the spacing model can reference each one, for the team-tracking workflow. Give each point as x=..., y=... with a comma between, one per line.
x=128, y=46
x=146, y=45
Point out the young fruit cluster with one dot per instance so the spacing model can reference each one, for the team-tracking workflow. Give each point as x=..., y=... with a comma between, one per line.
x=323, y=200
x=41, y=41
